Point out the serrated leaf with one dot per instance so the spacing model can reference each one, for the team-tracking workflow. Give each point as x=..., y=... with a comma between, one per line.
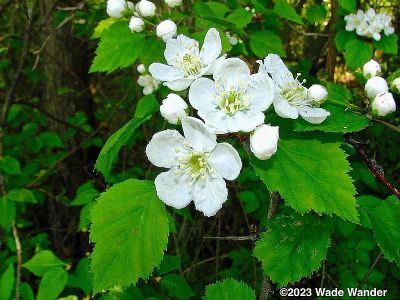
x=265, y=42
x=316, y=13
x=176, y=286
x=385, y=221
x=229, y=289
x=357, y=53
x=131, y=216
x=43, y=262
x=103, y=25
x=118, y=48
x=387, y=44
x=10, y=165
x=52, y=284
x=169, y=263
x=344, y=37
x=285, y=10
x=349, y=5
x=110, y=150
x=240, y=17
x=293, y=247
x=7, y=280
x=311, y=175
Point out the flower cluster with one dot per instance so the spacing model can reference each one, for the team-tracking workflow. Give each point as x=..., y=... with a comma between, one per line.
x=377, y=90
x=137, y=13
x=369, y=24
x=146, y=81
x=229, y=100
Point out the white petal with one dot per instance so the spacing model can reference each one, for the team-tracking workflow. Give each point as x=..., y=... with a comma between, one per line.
x=261, y=91
x=314, y=115
x=201, y=94
x=274, y=65
x=212, y=47
x=284, y=110
x=216, y=119
x=245, y=121
x=178, y=47
x=199, y=136
x=231, y=68
x=210, y=69
x=226, y=161
x=161, y=150
x=173, y=189
x=179, y=84
x=164, y=72
x=209, y=195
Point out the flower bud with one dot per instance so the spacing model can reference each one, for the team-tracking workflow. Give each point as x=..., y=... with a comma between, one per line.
x=116, y=8
x=264, y=141
x=131, y=5
x=141, y=68
x=173, y=3
x=376, y=85
x=146, y=8
x=317, y=93
x=166, y=30
x=173, y=108
x=371, y=69
x=136, y=24
x=383, y=104
x=396, y=85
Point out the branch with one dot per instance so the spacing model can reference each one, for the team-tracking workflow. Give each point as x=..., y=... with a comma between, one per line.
x=365, y=280
x=233, y=238
x=19, y=260
x=374, y=168
x=306, y=33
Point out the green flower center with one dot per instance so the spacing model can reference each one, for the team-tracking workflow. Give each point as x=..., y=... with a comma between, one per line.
x=191, y=64
x=232, y=101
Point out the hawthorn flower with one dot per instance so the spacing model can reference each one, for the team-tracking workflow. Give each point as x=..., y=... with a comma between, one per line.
x=141, y=68
x=173, y=3
x=116, y=8
x=235, y=100
x=166, y=30
x=264, y=141
x=136, y=24
x=291, y=97
x=376, y=85
x=197, y=166
x=317, y=93
x=148, y=83
x=383, y=104
x=173, y=108
x=396, y=85
x=186, y=62
x=371, y=69
x=146, y=8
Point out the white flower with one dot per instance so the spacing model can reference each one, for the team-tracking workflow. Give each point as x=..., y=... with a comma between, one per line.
x=186, y=62
x=264, y=141
x=396, y=85
x=383, y=104
x=146, y=8
x=233, y=40
x=317, y=93
x=198, y=166
x=148, y=83
x=235, y=100
x=376, y=85
x=173, y=3
x=291, y=97
x=131, y=5
x=371, y=69
x=173, y=108
x=166, y=30
x=116, y=8
x=136, y=24
x=141, y=68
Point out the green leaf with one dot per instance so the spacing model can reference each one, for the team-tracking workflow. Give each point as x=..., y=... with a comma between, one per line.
x=131, y=216
x=103, y=25
x=152, y=51
x=293, y=247
x=285, y=10
x=385, y=221
x=310, y=175
x=118, y=48
x=84, y=216
x=349, y=5
x=86, y=193
x=7, y=283
x=341, y=119
x=10, y=165
x=387, y=44
x=250, y=201
x=240, y=17
x=169, y=263
x=316, y=13
x=80, y=278
x=52, y=284
x=21, y=195
x=229, y=289
x=344, y=37
x=176, y=286
x=26, y=292
x=265, y=42
x=50, y=140
x=43, y=262
x=109, y=152
x=7, y=213
x=357, y=53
